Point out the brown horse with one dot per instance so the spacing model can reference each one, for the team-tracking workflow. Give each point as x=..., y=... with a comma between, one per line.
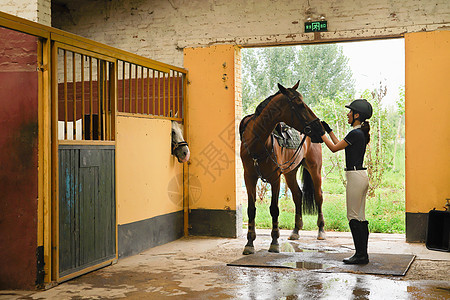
x=262, y=157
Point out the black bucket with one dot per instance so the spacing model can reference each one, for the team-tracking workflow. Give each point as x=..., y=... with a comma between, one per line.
x=438, y=233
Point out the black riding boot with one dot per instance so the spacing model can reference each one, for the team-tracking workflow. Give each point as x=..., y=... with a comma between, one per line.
x=365, y=236
x=360, y=234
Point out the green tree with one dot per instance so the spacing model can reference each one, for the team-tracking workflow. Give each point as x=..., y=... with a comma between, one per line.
x=262, y=69
x=400, y=125
x=386, y=124
x=380, y=152
x=334, y=112
x=323, y=72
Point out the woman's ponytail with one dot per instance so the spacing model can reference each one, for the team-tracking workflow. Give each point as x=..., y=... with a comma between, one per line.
x=365, y=127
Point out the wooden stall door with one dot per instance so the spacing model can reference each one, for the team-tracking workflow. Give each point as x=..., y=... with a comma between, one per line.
x=87, y=225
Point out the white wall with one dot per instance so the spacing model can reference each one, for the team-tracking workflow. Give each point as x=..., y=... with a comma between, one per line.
x=160, y=29
x=34, y=10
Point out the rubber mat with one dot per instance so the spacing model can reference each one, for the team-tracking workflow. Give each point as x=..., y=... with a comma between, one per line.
x=380, y=263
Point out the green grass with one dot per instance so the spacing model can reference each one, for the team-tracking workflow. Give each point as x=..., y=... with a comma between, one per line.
x=385, y=210
x=385, y=213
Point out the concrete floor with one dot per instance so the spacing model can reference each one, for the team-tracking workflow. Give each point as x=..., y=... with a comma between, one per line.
x=195, y=268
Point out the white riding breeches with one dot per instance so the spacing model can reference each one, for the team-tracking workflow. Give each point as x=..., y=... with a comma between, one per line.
x=357, y=186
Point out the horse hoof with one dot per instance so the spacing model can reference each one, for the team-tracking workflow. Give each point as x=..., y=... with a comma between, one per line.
x=248, y=250
x=294, y=236
x=274, y=248
x=321, y=235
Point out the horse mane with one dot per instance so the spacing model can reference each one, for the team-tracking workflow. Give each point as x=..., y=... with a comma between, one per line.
x=263, y=104
x=258, y=111
x=243, y=124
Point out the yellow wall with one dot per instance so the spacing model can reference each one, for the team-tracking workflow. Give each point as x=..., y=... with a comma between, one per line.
x=212, y=118
x=149, y=178
x=212, y=121
x=427, y=120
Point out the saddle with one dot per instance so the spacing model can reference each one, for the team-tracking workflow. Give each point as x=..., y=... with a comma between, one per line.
x=286, y=136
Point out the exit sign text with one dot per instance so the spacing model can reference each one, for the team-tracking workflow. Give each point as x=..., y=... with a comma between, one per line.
x=317, y=26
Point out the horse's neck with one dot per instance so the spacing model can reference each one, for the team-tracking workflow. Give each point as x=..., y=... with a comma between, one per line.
x=268, y=118
x=261, y=128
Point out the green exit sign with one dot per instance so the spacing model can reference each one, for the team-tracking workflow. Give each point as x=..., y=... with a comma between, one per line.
x=317, y=26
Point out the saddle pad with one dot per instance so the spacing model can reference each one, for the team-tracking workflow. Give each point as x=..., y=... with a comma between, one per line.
x=286, y=136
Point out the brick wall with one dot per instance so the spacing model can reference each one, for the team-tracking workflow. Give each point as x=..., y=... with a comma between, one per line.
x=161, y=29
x=241, y=195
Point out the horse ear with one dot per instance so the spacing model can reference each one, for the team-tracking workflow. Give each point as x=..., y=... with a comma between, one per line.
x=170, y=114
x=282, y=89
x=176, y=115
x=296, y=85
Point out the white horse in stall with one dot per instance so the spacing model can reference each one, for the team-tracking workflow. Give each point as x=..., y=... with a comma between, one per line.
x=180, y=148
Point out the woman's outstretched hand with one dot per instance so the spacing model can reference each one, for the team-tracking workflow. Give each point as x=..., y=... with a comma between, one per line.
x=326, y=127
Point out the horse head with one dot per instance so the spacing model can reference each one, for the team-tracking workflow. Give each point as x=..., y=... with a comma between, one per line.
x=180, y=148
x=299, y=115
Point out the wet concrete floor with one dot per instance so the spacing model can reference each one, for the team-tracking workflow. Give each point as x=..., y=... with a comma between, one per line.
x=195, y=268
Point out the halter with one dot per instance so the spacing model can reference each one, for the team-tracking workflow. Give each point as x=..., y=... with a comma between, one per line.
x=308, y=129
x=176, y=145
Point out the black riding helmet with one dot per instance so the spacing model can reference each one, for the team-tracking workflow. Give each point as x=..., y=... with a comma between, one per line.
x=361, y=106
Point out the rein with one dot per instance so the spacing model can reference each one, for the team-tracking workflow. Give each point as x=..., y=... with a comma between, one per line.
x=280, y=167
x=291, y=160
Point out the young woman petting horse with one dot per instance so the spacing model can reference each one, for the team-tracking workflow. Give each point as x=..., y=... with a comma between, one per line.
x=354, y=144
x=263, y=158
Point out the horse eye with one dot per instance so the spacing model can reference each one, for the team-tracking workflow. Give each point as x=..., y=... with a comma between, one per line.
x=301, y=104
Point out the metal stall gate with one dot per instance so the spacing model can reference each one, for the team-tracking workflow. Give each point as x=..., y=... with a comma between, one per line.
x=84, y=87
x=90, y=87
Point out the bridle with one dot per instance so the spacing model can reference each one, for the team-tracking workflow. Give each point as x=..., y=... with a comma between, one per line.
x=176, y=145
x=308, y=128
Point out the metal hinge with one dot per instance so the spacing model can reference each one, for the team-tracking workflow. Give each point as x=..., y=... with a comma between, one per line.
x=41, y=68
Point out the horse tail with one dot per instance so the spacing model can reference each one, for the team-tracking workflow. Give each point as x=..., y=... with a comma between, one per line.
x=309, y=203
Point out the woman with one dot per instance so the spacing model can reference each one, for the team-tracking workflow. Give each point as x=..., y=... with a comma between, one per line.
x=357, y=180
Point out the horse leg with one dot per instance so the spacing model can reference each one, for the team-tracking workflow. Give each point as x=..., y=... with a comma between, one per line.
x=291, y=181
x=250, y=183
x=318, y=197
x=275, y=212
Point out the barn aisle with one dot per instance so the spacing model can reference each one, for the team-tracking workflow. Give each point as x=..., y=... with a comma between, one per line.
x=196, y=268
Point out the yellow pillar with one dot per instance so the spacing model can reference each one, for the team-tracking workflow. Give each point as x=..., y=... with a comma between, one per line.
x=213, y=116
x=427, y=127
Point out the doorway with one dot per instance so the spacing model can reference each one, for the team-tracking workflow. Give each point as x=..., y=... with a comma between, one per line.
x=331, y=76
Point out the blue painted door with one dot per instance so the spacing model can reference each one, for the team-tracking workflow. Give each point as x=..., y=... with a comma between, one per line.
x=87, y=207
